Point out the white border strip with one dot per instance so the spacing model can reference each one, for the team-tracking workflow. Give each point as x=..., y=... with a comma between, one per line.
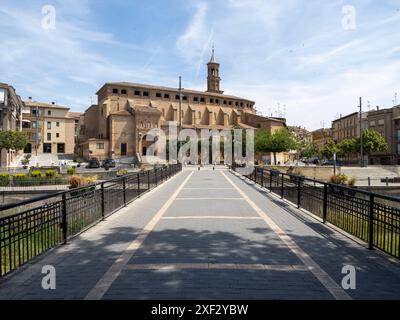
x=102, y=286
x=219, y=266
x=337, y=291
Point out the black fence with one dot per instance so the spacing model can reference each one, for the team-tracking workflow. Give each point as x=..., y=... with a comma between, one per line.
x=30, y=228
x=371, y=217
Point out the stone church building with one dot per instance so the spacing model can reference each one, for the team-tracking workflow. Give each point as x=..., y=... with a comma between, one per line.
x=115, y=127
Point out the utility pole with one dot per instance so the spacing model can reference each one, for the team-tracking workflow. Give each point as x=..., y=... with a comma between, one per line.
x=180, y=114
x=37, y=131
x=180, y=104
x=361, y=137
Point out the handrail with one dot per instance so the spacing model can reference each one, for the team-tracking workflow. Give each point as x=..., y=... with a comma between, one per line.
x=385, y=197
x=60, y=193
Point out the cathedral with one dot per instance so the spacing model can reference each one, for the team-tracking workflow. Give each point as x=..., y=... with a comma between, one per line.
x=125, y=112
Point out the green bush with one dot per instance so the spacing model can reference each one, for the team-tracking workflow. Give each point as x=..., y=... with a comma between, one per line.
x=71, y=171
x=19, y=175
x=51, y=173
x=20, y=179
x=122, y=172
x=36, y=174
x=4, y=179
x=339, y=179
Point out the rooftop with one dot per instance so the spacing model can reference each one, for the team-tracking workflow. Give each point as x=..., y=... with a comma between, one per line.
x=175, y=90
x=32, y=103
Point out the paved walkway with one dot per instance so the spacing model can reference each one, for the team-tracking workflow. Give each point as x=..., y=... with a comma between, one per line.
x=203, y=235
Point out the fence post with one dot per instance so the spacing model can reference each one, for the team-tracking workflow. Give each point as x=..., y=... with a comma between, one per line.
x=282, y=180
x=371, y=222
x=103, y=202
x=138, y=184
x=325, y=204
x=155, y=175
x=262, y=178
x=64, y=218
x=298, y=192
x=270, y=181
x=148, y=179
x=255, y=175
x=124, y=189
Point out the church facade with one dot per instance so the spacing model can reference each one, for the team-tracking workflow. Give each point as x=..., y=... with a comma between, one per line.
x=125, y=112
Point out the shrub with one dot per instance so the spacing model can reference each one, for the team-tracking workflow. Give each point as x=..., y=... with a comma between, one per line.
x=36, y=174
x=339, y=179
x=352, y=181
x=79, y=181
x=90, y=179
x=19, y=175
x=25, y=162
x=76, y=181
x=50, y=173
x=71, y=171
x=122, y=172
x=4, y=179
x=28, y=156
x=19, y=179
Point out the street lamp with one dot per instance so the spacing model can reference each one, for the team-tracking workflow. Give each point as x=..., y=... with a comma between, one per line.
x=361, y=137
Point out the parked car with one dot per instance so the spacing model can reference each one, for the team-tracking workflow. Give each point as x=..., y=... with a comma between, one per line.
x=110, y=163
x=93, y=164
x=331, y=163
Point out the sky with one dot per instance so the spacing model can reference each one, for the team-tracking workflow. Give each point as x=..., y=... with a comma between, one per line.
x=307, y=60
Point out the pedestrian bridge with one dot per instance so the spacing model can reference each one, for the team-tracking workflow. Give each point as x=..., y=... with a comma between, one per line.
x=209, y=234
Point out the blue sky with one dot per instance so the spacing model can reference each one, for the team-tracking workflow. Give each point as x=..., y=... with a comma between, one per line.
x=289, y=55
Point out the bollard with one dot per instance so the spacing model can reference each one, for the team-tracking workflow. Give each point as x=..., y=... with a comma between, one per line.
x=369, y=181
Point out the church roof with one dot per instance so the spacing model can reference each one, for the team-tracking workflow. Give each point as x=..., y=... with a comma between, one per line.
x=175, y=90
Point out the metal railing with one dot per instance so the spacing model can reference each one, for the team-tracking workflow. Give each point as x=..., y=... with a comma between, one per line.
x=371, y=217
x=30, y=228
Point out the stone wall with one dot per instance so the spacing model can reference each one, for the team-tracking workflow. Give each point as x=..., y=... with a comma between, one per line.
x=313, y=172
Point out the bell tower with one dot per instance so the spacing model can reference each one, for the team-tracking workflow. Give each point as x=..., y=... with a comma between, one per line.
x=213, y=78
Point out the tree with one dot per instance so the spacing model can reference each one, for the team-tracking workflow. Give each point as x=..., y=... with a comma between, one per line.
x=373, y=141
x=13, y=140
x=347, y=147
x=329, y=149
x=309, y=150
x=20, y=140
x=280, y=141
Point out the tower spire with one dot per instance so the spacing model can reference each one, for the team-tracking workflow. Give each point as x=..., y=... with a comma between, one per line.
x=213, y=78
x=212, y=60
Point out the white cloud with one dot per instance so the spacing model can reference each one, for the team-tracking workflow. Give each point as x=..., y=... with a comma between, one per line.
x=197, y=34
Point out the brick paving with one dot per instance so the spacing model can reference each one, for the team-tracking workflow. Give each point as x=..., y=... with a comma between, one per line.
x=209, y=242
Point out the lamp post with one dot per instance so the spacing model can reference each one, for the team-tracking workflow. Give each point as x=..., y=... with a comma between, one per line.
x=361, y=137
x=37, y=131
x=180, y=115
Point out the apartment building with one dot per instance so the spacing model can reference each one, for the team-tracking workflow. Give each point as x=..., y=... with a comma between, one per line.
x=51, y=128
x=10, y=118
x=321, y=136
x=387, y=123
x=384, y=121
